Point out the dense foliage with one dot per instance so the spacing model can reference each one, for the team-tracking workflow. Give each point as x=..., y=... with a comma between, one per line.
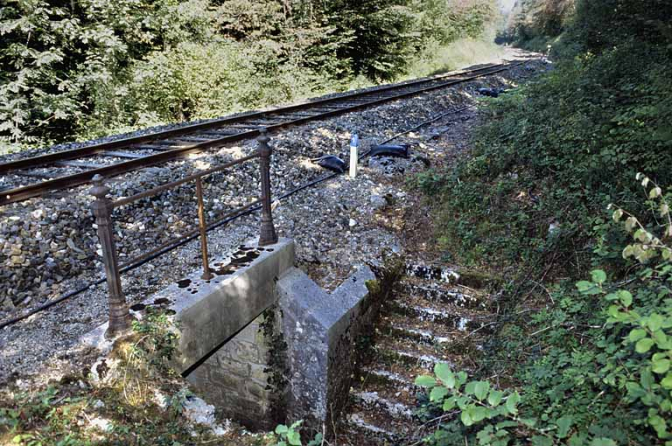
x=90, y=67
x=536, y=23
x=597, y=369
x=586, y=363
x=555, y=153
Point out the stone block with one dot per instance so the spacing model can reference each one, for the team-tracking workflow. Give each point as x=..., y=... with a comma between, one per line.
x=213, y=313
x=321, y=331
x=258, y=372
x=257, y=391
x=247, y=352
x=297, y=365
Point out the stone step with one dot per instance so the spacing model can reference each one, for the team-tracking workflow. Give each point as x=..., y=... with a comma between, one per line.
x=387, y=378
x=387, y=365
x=387, y=340
x=403, y=327
x=445, y=316
x=458, y=296
x=360, y=423
x=417, y=335
x=374, y=401
x=432, y=272
x=447, y=275
x=451, y=327
x=409, y=358
x=429, y=321
x=393, y=395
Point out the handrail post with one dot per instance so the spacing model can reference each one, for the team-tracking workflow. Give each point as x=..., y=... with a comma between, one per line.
x=268, y=235
x=119, y=315
x=207, y=275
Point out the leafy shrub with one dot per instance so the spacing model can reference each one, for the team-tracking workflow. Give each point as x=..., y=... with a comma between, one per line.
x=86, y=68
x=532, y=24
x=556, y=152
x=605, y=374
x=56, y=59
x=199, y=81
x=291, y=435
x=590, y=362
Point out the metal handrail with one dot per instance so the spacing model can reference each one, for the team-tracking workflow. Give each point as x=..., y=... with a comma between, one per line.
x=159, y=248
x=119, y=316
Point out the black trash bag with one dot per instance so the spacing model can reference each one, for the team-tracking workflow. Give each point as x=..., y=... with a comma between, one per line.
x=398, y=150
x=330, y=162
x=491, y=92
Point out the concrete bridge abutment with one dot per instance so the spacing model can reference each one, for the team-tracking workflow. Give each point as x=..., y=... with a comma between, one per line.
x=266, y=345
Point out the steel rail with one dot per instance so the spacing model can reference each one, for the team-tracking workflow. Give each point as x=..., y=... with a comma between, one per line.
x=125, y=142
x=38, y=189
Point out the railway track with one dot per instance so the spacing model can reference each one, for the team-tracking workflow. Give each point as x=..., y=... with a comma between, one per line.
x=69, y=168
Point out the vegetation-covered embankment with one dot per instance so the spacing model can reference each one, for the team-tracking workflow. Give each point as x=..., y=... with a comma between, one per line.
x=584, y=342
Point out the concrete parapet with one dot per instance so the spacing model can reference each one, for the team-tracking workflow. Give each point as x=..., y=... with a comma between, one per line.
x=263, y=342
x=213, y=311
x=321, y=331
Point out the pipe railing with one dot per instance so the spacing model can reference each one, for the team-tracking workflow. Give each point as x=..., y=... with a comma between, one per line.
x=119, y=316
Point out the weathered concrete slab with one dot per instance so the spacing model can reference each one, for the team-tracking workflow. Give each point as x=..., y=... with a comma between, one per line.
x=263, y=342
x=296, y=361
x=208, y=313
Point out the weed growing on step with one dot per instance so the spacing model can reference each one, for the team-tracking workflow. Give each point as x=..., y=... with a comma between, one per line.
x=291, y=435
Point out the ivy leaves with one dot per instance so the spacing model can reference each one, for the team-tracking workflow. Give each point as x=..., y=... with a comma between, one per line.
x=291, y=435
x=475, y=400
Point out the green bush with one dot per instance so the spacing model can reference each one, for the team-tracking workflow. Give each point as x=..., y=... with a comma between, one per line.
x=590, y=362
x=596, y=368
x=87, y=68
x=57, y=61
x=533, y=24
x=198, y=81
x=556, y=152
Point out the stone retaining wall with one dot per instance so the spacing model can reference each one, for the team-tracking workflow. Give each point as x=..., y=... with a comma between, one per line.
x=238, y=379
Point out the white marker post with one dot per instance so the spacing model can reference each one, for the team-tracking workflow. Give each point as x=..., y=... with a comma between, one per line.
x=354, y=155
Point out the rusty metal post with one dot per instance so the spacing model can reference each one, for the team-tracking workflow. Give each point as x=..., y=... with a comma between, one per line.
x=207, y=275
x=268, y=235
x=119, y=315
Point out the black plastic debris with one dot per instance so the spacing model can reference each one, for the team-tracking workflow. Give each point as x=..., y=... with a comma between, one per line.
x=491, y=92
x=330, y=162
x=400, y=150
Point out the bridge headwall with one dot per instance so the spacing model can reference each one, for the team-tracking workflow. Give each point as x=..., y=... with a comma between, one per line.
x=263, y=342
x=294, y=350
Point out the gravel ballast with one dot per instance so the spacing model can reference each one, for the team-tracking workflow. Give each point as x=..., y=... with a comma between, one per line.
x=48, y=246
